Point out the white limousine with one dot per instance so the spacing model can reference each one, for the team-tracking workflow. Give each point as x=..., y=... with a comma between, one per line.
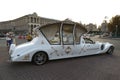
x=57, y=41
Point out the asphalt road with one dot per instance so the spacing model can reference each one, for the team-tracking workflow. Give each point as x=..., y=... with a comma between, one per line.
x=97, y=67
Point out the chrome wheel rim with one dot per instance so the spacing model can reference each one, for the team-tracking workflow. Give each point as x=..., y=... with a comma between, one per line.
x=40, y=58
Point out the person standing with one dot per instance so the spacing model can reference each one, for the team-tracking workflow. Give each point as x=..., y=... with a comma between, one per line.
x=8, y=39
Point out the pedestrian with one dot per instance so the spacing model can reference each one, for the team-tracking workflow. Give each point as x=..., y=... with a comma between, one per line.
x=9, y=39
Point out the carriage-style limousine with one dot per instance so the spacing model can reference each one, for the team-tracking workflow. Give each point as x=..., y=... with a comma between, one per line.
x=57, y=41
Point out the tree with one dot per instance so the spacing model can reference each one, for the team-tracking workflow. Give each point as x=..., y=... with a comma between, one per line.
x=115, y=21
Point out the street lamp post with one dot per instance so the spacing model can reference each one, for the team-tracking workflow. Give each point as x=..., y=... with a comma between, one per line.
x=116, y=31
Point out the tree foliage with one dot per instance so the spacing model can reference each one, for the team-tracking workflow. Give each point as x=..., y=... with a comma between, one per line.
x=115, y=21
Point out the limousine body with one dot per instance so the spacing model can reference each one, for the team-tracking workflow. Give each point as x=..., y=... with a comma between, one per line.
x=58, y=41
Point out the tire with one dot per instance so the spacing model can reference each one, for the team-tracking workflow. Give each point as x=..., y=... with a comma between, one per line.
x=40, y=58
x=110, y=50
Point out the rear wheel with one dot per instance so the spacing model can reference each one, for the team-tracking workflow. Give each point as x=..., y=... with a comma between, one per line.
x=110, y=50
x=40, y=58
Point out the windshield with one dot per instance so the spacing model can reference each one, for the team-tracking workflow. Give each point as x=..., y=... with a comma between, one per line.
x=88, y=41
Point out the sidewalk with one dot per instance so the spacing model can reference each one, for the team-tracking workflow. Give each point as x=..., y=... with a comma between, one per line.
x=116, y=38
x=106, y=37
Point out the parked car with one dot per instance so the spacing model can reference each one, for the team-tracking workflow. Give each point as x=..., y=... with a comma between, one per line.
x=57, y=41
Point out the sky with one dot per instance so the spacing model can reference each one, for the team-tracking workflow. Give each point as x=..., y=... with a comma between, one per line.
x=84, y=11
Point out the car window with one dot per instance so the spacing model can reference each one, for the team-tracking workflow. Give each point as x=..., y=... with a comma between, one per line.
x=77, y=34
x=67, y=34
x=88, y=41
x=52, y=33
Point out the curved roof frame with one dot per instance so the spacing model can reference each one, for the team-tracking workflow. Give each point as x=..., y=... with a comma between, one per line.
x=63, y=22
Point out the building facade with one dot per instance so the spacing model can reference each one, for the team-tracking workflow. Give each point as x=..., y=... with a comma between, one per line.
x=104, y=27
x=24, y=24
x=91, y=27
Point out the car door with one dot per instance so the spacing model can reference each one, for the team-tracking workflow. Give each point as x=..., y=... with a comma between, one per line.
x=71, y=40
x=78, y=41
x=52, y=35
x=90, y=47
x=68, y=40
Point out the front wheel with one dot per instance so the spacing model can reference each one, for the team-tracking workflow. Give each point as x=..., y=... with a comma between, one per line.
x=110, y=50
x=40, y=58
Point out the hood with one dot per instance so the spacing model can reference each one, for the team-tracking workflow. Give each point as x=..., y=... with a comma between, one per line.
x=98, y=42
